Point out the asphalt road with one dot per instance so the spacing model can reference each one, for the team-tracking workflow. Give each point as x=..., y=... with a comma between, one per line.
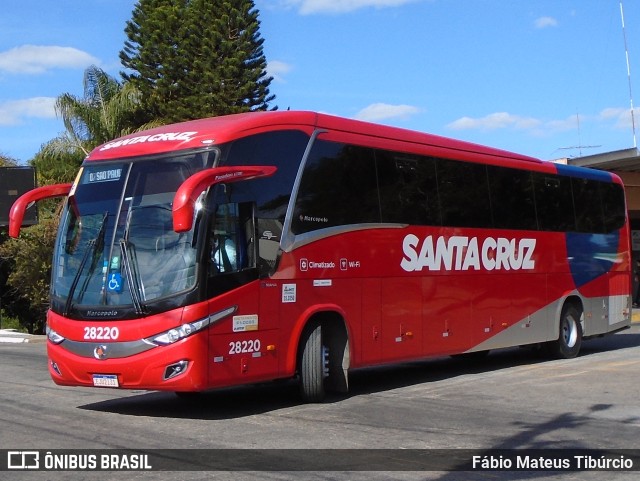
x=511, y=400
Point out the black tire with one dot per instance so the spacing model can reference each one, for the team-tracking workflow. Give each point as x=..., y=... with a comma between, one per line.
x=567, y=346
x=311, y=366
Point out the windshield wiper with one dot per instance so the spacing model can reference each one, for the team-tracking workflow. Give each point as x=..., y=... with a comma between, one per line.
x=93, y=246
x=130, y=266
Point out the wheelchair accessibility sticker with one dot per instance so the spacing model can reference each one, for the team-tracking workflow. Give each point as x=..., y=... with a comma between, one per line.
x=115, y=282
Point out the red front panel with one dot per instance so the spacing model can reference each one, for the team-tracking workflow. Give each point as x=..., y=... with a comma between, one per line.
x=110, y=348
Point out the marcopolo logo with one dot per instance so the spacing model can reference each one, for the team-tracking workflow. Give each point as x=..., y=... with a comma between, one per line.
x=461, y=253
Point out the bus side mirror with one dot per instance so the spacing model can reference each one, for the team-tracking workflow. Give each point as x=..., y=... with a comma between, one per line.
x=184, y=201
x=22, y=203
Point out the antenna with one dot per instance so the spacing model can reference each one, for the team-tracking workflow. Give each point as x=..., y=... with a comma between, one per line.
x=579, y=146
x=626, y=51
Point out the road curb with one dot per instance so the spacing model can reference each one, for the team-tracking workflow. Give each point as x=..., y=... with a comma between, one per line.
x=10, y=336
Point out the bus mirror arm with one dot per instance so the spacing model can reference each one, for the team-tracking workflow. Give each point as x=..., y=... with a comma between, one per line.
x=184, y=202
x=22, y=203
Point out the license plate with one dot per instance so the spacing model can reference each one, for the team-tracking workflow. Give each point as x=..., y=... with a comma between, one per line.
x=105, y=380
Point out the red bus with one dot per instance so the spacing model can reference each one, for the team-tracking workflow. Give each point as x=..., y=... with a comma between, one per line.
x=271, y=245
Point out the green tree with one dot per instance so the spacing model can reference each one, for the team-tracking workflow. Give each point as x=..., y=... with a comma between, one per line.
x=29, y=262
x=6, y=161
x=25, y=266
x=196, y=58
x=6, y=299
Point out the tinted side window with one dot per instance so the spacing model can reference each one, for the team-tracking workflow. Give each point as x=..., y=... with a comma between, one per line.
x=554, y=203
x=338, y=187
x=512, y=199
x=464, y=194
x=613, y=206
x=408, y=188
x=282, y=149
x=586, y=199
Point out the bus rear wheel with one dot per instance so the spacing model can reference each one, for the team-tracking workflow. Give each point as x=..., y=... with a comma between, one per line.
x=313, y=365
x=567, y=346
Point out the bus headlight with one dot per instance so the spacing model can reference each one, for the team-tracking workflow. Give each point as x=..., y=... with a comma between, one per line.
x=177, y=333
x=174, y=335
x=53, y=336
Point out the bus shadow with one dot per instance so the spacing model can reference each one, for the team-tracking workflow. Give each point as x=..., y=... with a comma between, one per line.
x=227, y=403
x=242, y=401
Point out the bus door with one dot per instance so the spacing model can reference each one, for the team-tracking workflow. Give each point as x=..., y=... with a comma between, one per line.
x=268, y=234
x=242, y=347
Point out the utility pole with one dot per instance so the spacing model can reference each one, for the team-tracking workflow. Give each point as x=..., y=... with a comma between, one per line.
x=626, y=51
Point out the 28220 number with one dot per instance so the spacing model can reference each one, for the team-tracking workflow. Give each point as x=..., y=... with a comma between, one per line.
x=101, y=333
x=241, y=347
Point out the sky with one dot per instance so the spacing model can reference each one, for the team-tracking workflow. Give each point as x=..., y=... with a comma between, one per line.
x=545, y=78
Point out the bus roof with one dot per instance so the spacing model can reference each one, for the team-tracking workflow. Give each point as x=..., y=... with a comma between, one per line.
x=217, y=130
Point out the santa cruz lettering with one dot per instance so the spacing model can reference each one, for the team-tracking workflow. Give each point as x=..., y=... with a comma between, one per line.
x=461, y=253
x=164, y=137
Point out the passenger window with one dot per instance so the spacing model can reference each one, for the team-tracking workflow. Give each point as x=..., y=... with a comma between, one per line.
x=408, y=188
x=464, y=194
x=613, y=206
x=283, y=150
x=338, y=187
x=554, y=203
x=512, y=199
x=586, y=200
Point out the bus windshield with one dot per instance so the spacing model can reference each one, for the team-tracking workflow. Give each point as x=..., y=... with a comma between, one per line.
x=116, y=245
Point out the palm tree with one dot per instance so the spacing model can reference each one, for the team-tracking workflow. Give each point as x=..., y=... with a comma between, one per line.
x=109, y=109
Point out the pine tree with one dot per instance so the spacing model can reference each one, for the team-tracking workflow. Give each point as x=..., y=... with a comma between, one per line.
x=196, y=58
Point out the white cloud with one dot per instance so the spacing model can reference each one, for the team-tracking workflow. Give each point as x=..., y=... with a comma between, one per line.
x=278, y=70
x=544, y=22
x=14, y=112
x=563, y=125
x=621, y=117
x=498, y=120
x=613, y=117
x=380, y=111
x=612, y=113
x=37, y=59
x=306, y=7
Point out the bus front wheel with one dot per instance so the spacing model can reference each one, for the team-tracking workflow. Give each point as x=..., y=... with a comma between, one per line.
x=567, y=346
x=312, y=365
